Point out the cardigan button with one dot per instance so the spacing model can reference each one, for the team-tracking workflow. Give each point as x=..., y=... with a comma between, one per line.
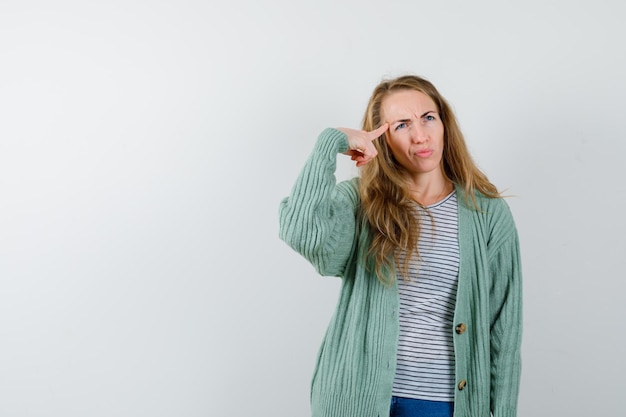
x=462, y=384
x=460, y=328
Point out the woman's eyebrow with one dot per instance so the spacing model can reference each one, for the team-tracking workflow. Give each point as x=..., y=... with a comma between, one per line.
x=401, y=121
x=408, y=120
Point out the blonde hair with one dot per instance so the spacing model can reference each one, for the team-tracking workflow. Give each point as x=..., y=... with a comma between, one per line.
x=386, y=202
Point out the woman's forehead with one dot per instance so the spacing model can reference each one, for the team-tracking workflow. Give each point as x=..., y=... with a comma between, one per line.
x=406, y=103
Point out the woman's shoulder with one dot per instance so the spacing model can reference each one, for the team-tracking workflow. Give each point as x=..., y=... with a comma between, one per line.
x=494, y=212
x=480, y=201
x=350, y=188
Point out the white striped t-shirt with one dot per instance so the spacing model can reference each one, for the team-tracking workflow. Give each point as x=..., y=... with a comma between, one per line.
x=425, y=361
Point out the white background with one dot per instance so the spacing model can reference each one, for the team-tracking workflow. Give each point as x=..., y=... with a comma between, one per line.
x=145, y=147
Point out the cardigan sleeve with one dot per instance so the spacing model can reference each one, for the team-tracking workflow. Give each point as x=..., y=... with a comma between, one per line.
x=318, y=218
x=505, y=316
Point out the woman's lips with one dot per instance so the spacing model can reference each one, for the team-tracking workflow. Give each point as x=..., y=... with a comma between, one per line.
x=425, y=153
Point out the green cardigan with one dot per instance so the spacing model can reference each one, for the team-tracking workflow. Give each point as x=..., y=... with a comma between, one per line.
x=356, y=363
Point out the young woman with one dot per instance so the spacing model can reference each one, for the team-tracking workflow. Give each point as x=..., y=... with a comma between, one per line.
x=429, y=319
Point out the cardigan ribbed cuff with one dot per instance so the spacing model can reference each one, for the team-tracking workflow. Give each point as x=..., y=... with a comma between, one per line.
x=331, y=142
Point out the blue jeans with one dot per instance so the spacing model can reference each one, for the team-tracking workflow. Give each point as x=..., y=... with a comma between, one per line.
x=408, y=407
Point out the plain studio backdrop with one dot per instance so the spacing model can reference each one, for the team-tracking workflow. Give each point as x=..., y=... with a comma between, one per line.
x=145, y=147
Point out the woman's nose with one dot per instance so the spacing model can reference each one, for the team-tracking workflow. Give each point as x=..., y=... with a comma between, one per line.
x=418, y=133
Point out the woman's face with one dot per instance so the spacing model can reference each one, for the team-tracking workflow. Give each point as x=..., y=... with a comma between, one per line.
x=415, y=134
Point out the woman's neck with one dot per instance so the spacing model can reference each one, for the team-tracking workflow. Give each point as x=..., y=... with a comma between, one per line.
x=428, y=191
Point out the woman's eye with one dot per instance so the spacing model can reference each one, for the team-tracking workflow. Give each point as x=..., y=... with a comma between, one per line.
x=429, y=117
x=400, y=126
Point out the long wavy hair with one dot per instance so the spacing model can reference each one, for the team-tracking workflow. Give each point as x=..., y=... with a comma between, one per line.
x=386, y=201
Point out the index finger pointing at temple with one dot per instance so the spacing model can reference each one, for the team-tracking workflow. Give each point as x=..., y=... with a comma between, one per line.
x=376, y=133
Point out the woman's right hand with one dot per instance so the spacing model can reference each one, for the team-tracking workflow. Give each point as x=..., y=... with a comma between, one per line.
x=360, y=146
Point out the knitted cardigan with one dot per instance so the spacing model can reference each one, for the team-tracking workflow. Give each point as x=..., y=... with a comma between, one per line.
x=356, y=363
